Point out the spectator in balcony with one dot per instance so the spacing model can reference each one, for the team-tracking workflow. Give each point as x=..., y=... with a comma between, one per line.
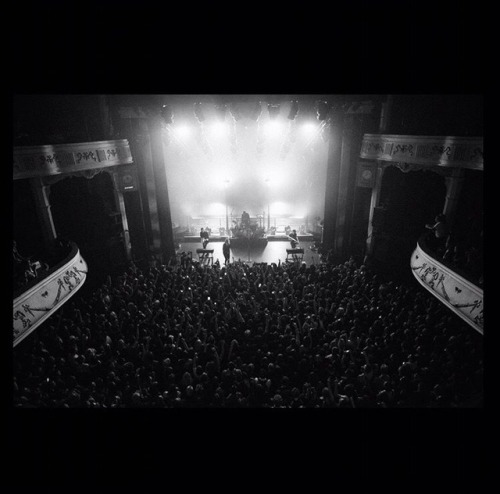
x=440, y=234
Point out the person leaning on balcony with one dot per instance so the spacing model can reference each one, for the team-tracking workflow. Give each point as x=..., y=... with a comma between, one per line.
x=441, y=233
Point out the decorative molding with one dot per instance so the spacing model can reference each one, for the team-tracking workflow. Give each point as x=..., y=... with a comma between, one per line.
x=39, y=302
x=457, y=293
x=463, y=152
x=40, y=161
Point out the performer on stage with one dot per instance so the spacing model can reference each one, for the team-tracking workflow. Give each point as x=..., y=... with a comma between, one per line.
x=293, y=239
x=226, y=250
x=204, y=237
x=245, y=219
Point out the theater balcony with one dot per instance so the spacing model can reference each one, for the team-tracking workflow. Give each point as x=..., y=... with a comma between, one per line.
x=452, y=288
x=41, y=298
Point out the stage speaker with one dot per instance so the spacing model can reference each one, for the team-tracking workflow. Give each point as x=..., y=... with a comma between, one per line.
x=127, y=180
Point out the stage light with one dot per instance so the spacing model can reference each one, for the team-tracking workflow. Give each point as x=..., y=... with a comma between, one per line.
x=273, y=128
x=199, y=112
x=235, y=112
x=294, y=109
x=280, y=208
x=257, y=110
x=274, y=110
x=220, y=109
x=309, y=128
x=182, y=131
x=322, y=109
x=219, y=128
x=167, y=114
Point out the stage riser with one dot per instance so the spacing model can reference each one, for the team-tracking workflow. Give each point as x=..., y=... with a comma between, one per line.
x=197, y=239
x=269, y=238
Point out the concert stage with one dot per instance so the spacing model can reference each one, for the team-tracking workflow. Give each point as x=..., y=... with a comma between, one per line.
x=196, y=238
x=307, y=237
x=272, y=252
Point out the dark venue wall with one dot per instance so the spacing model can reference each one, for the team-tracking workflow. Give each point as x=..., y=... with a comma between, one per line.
x=438, y=114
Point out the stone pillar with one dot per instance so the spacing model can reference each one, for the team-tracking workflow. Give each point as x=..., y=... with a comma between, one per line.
x=343, y=186
x=454, y=184
x=41, y=193
x=140, y=143
x=120, y=201
x=351, y=143
x=373, y=204
x=332, y=182
x=160, y=176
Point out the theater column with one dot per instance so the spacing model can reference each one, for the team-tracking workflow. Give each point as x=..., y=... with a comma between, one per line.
x=160, y=178
x=454, y=184
x=351, y=139
x=332, y=181
x=120, y=201
x=41, y=193
x=373, y=204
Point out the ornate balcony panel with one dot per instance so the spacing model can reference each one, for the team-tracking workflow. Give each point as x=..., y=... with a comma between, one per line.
x=40, y=301
x=462, y=152
x=457, y=293
x=40, y=161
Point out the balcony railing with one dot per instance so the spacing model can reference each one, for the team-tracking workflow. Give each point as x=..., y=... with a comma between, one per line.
x=448, y=151
x=42, y=298
x=456, y=292
x=40, y=161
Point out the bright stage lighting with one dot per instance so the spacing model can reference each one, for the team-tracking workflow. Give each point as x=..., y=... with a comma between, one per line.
x=273, y=128
x=215, y=209
x=294, y=109
x=274, y=110
x=182, y=131
x=279, y=208
x=322, y=109
x=309, y=128
x=167, y=114
x=219, y=129
x=221, y=111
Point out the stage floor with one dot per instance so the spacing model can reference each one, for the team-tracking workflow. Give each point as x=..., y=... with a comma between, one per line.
x=272, y=252
x=270, y=238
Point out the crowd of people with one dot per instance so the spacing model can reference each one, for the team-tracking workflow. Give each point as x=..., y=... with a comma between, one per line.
x=267, y=335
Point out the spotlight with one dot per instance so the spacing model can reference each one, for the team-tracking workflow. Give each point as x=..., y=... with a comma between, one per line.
x=235, y=112
x=293, y=110
x=182, y=131
x=322, y=110
x=273, y=110
x=309, y=128
x=221, y=111
x=325, y=133
x=199, y=112
x=167, y=114
x=219, y=128
x=273, y=128
x=256, y=111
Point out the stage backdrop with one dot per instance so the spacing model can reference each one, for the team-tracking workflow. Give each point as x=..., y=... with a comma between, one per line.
x=249, y=166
